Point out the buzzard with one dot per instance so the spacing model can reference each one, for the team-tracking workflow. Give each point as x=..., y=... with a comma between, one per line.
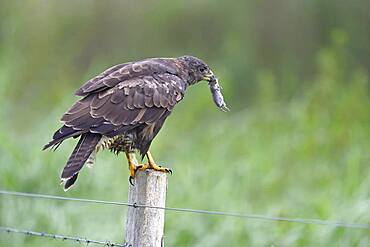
x=123, y=109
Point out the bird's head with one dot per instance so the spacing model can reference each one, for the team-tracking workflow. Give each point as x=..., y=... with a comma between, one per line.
x=197, y=69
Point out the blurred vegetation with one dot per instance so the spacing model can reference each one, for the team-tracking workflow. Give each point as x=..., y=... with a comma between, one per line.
x=296, y=143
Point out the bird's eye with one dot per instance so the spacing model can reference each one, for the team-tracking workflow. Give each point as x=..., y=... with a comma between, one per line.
x=202, y=69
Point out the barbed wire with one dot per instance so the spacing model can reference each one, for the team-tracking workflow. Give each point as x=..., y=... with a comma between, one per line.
x=197, y=211
x=61, y=237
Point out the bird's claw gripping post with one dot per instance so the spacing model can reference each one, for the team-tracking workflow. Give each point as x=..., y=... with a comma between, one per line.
x=133, y=170
x=217, y=95
x=132, y=166
x=152, y=165
x=142, y=167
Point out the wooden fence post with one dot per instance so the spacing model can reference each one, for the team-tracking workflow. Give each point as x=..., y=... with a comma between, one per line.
x=145, y=226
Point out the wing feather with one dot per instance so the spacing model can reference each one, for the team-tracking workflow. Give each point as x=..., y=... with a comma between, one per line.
x=123, y=72
x=141, y=100
x=117, y=97
x=98, y=82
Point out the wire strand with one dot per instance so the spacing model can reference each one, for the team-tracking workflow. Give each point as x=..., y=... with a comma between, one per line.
x=60, y=237
x=196, y=211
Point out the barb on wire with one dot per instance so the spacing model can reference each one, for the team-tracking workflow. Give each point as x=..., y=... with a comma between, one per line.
x=61, y=237
x=231, y=214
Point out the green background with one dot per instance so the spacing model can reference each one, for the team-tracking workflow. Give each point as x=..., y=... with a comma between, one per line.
x=295, y=144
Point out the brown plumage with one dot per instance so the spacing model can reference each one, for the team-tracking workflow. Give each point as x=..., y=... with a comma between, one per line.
x=124, y=108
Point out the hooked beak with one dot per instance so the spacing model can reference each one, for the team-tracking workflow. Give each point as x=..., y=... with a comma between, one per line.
x=209, y=77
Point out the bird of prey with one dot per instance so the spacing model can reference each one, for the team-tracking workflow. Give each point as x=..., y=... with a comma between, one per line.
x=124, y=107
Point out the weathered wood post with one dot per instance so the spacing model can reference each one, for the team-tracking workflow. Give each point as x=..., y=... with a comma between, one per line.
x=145, y=226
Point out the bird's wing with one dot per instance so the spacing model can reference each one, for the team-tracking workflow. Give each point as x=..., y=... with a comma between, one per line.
x=144, y=99
x=126, y=71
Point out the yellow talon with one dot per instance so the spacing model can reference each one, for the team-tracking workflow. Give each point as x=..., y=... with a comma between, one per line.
x=132, y=166
x=142, y=167
x=152, y=165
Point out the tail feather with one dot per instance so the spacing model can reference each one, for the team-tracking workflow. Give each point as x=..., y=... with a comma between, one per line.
x=85, y=146
x=69, y=182
x=60, y=135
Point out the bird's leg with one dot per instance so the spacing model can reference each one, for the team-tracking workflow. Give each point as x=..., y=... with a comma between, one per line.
x=132, y=165
x=152, y=165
